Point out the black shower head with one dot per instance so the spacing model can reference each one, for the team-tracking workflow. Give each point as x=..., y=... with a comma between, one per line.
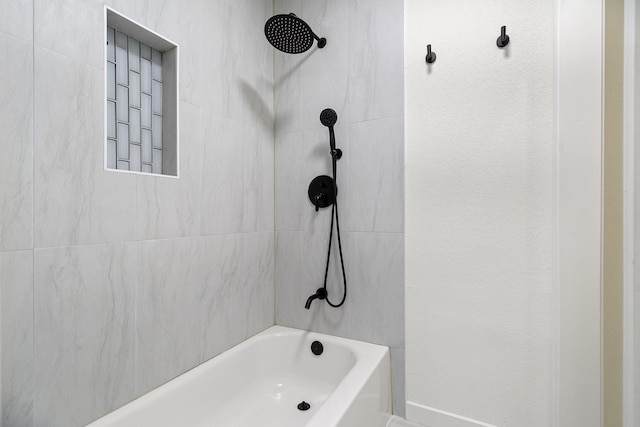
x=290, y=34
x=328, y=117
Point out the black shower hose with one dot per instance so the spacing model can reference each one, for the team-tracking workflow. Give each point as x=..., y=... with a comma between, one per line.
x=334, y=213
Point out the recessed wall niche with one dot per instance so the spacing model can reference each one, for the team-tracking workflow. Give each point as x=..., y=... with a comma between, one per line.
x=141, y=98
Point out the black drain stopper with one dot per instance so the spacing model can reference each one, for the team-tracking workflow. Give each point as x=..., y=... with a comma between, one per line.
x=303, y=406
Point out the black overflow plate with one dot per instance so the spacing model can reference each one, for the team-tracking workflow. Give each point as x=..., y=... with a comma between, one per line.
x=317, y=348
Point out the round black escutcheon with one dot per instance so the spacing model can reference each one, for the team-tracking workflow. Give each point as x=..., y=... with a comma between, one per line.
x=317, y=348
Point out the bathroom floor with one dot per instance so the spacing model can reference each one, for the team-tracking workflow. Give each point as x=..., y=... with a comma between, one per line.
x=401, y=422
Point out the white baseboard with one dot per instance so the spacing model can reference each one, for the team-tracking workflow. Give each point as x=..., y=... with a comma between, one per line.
x=432, y=417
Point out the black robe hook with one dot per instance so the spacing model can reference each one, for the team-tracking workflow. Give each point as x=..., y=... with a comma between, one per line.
x=431, y=56
x=503, y=40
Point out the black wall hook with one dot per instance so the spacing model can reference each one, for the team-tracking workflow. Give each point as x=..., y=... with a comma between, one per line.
x=503, y=40
x=431, y=56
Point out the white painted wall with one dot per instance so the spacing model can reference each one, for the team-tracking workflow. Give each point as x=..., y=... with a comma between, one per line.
x=502, y=213
x=579, y=114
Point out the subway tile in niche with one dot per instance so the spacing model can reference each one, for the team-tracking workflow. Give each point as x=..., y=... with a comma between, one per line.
x=138, y=101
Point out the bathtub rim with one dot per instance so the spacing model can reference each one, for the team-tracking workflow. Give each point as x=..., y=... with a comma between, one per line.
x=368, y=356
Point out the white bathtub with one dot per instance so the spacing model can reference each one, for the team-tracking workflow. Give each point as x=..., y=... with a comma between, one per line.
x=261, y=381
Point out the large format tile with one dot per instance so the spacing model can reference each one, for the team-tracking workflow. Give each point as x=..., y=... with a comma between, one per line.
x=256, y=77
x=84, y=323
x=16, y=19
x=76, y=200
x=357, y=7
x=192, y=33
x=16, y=338
x=376, y=287
x=168, y=295
x=238, y=298
x=376, y=172
x=222, y=60
x=16, y=144
x=257, y=181
x=376, y=63
x=291, y=192
x=73, y=28
x=169, y=207
x=324, y=76
x=237, y=180
x=223, y=174
x=290, y=289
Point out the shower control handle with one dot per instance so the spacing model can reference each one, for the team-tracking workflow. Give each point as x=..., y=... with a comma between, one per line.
x=322, y=192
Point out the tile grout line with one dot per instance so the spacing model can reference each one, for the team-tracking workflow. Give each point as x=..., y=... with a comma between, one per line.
x=33, y=215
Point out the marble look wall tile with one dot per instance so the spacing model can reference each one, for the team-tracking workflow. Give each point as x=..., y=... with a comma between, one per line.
x=16, y=144
x=291, y=291
x=222, y=177
x=76, y=201
x=324, y=77
x=16, y=343
x=238, y=297
x=16, y=19
x=171, y=207
x=237, y=180
x=191, y=52
x=168, y=294
x=257, y=181
x=376, y=274
x=357, y=7
x=376, y=63
x=256, y=80
x=397, y=380
x=287, y=6
x=222, y=59
x=84, y=323
x=165, y=17
x=73, y=28
x=286, y=72
x=376, y=171
x=238, y=62
x=287, y=91
x=291, y=199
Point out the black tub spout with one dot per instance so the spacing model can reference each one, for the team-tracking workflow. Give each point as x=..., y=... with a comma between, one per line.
x=321, y=293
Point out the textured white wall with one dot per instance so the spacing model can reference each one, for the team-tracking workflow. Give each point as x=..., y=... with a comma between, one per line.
x=479, y=211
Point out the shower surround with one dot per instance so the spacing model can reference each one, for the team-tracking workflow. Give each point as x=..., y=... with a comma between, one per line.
x=359, y=74
x=112, y=283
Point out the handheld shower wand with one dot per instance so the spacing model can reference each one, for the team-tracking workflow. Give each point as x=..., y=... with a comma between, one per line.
x=328, y=118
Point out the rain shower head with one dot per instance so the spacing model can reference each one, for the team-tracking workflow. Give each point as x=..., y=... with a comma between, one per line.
x=290, y=34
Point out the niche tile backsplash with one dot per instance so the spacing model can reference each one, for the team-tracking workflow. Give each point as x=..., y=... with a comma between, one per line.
x=134, y=104
x=141, y=135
